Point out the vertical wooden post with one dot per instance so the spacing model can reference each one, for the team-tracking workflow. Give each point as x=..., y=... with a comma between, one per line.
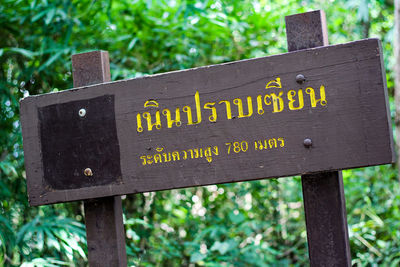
x=323, y=194
x=103, y=216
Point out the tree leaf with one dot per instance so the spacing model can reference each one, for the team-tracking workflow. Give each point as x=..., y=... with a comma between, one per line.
x=21, y=51
x=221, y=247
x=197, y=256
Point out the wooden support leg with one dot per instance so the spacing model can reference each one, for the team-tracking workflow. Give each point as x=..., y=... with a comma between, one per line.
x=104, y=222
x=105, y=232
x=324, y=202
x=325, y=210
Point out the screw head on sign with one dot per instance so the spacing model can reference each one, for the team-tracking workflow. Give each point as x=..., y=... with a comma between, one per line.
x=82, y=112
x=300, y=78
x=307, y=142
x=88, y=172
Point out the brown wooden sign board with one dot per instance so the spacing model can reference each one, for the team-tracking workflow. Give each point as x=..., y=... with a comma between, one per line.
x=231, y=122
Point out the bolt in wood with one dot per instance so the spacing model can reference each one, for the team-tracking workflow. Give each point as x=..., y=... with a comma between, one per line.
x=82, y=112
x=88, y=172
x=323, y=193
x=300, y=78
x=307, y=142
x=103, y=216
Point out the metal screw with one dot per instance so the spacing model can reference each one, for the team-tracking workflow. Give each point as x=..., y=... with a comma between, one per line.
x=82, y=112
x=307, y=142
x=88, y=172
x=300, y=78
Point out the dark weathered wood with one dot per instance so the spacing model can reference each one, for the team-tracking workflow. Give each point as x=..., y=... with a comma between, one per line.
x=91, y=68
x=95, y=143
x=353, y=122
x=103, y=216
x=105, y=232
x=323, y=193
x=325, y=212
x=306, y=30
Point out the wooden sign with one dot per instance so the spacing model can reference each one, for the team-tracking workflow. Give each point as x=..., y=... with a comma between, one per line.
x=301, y=112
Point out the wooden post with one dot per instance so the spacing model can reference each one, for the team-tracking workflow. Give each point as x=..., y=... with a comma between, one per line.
x=324, y=201
x=103, y=216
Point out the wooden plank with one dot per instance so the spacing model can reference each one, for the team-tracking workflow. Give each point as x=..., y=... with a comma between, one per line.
x=353, y=122
x=323, y=193
x=103, y=216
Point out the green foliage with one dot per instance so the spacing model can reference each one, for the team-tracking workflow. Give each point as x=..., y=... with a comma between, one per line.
x=248, y=224
x=53, y=236
x=374, y=194
x=258, y=223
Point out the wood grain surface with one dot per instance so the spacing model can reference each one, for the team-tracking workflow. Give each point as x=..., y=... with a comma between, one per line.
x=105, y=233
x=351, y=129
x=323, y=192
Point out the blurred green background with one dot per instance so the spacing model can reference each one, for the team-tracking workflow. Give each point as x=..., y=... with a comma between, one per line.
x=258, y=223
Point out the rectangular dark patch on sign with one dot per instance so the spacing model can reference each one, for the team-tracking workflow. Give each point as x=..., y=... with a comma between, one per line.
x=78, y=136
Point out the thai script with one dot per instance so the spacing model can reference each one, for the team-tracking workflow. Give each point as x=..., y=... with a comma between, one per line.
x=277, y=101
x=269, y=143
x=195, y=153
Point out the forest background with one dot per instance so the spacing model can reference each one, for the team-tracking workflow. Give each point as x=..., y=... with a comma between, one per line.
x=259, y=223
